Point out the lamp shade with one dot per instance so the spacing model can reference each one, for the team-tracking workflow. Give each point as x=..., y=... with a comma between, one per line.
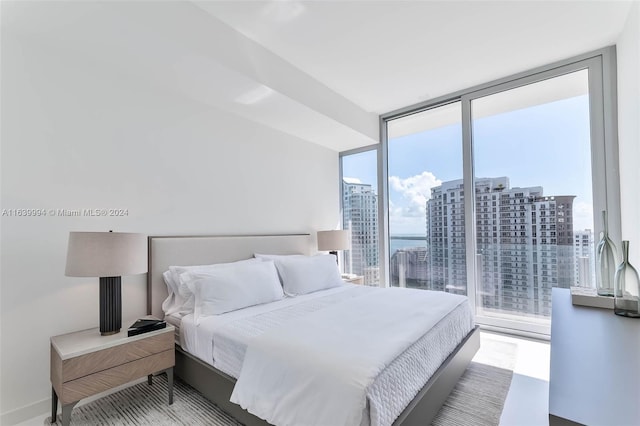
x=334, y=240
x=106, y=254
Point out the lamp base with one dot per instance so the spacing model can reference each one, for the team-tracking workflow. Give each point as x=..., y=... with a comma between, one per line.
x=335, y=253
x=110, y=305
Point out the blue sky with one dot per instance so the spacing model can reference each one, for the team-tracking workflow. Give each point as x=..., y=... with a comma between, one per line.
x=545, y=145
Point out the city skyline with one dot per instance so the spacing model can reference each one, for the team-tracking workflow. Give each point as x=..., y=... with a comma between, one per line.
x=533, y=202
x=525, y=240
x=525, y=246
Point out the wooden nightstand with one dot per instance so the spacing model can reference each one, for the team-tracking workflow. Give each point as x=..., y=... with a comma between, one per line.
x=85, y=363
x=358, y=279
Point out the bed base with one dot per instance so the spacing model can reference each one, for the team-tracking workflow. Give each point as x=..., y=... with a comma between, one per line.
x=218, y=386
x=424, y=407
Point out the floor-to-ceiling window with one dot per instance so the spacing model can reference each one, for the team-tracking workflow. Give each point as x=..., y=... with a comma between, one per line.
x=533, y=184
x=492, y=192
x=426, y=200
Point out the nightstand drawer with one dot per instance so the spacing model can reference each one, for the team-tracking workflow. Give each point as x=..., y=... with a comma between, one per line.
x=92, y=384
x=84, y=365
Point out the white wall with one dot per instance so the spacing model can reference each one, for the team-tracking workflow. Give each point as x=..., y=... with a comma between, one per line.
x=628, y=50
x=77, y=134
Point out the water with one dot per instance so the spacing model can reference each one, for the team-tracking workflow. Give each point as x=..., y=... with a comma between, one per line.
x=397, y=242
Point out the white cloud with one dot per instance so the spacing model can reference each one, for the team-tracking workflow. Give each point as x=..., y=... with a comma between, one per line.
x=415, y=189
x=408, y=215
x=351, y=180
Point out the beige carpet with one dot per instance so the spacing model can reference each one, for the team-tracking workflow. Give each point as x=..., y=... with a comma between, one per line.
x=477, y=399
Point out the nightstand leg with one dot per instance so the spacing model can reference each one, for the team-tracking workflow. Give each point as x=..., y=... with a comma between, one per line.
x=170, y=382
x=54, y=405
x=66, y=413
x=150, y=379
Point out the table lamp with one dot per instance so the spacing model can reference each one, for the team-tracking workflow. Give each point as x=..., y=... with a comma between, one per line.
x=107, y=255
x=335, y=240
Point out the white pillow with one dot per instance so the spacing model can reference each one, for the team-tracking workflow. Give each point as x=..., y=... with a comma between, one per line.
x=275, y=258
x=234, y=287
x=182, y=288
x=174, y=302
x=306, y=274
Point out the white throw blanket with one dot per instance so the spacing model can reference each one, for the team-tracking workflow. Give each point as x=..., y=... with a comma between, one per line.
x=315, y=371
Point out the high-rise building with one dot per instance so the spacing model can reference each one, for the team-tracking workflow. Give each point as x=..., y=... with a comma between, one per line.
x=524, y=244
x=583, y=251
x=360, y=215
x=446, y=268
x=408, y=267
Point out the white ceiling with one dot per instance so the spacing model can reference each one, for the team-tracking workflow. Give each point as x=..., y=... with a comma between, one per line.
x=321, y=71
x=385, y=55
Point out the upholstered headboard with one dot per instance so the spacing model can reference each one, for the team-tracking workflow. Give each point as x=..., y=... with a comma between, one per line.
x=165, y=251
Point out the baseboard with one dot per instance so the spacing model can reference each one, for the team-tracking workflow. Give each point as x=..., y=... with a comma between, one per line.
x=25, y=413
x=43, y=407
x=538, y=337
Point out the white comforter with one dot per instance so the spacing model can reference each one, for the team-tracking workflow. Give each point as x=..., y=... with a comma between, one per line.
x=315, y=371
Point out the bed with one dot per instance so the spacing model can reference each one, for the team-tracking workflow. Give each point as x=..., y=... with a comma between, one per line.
x=217, y=384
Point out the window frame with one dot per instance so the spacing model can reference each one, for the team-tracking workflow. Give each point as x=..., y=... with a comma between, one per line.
x=341, y=155
x=601, y=65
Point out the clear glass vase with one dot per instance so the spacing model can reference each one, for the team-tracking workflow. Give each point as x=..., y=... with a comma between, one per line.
x=627, y=283
x=606, y=262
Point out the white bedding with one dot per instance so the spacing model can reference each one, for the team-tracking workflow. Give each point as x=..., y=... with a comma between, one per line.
x=329, y=358
x=175, y=320
x=222, y=341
